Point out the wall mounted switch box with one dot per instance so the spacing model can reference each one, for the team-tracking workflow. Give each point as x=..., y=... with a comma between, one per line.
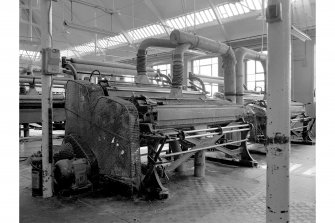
x=51, y=60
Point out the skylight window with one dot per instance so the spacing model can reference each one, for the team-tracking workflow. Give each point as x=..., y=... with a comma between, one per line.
x=190, y=18
x=31, y=55
x=210, y=15
x=258, y=5
x=174, y=24
x=239, y=8
x=153, y=30
x=160, y=28
x=197, y=15
x=223, y=12
x=228, y=10
x=204, y=16
x=146, y=31
x=149, y=31
x=182, y=22
x=251, y=4
x=233, y=9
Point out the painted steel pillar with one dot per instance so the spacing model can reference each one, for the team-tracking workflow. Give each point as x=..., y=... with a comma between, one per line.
x=278, y=111
x=46, y=32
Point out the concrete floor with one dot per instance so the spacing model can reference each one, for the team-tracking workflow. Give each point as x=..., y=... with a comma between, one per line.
x=226, y=194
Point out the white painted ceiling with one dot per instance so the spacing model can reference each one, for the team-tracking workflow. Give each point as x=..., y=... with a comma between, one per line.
x=129, y=15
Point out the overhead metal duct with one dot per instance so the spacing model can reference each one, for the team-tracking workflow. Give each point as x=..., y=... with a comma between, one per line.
x=227, y=53
x=142, y=56
x=241, y=55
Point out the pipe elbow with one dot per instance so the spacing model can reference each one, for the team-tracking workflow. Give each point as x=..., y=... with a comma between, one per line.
x=72, y=69
x=145, y=44
x=229, y=57
x=239, y=53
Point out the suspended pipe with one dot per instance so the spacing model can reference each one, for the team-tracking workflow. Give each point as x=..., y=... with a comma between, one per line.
x=38, y=81
x=242, y=54
x=216, y=80
x=228, y=56
x=142, y=56
x=177, y=70
x=104, y=64
x=106, y=70
x=38, y=78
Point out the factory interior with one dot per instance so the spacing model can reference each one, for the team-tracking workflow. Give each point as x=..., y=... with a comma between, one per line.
x=168, y=111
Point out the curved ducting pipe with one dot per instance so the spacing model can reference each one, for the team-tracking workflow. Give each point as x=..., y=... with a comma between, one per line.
x=142, y=56
x=177, y=70
x=241, y=55
x=228, y=56
x=72, y=69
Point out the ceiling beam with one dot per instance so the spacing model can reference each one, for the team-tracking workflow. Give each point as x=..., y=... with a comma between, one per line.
x=154, y=10
x=104, y=9
x=217, y=16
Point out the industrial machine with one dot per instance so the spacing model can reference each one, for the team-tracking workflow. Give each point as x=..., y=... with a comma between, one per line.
x=301, y=123
x=108, y=130
x=110, y=121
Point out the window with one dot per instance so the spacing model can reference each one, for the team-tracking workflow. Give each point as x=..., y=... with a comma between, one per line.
x=207, y=67
x=164, y=69
x=255, y=75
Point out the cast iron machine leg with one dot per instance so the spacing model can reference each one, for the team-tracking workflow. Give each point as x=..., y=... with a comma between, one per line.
x=151, y=183
x=175, y=147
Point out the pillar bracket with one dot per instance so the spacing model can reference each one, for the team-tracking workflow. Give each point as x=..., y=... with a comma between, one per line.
x=278, y=139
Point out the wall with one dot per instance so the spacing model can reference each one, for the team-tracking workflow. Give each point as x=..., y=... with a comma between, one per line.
x=303, y=74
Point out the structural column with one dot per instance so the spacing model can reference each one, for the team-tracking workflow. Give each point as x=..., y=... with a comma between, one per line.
x=278, y=111
x=46, y=32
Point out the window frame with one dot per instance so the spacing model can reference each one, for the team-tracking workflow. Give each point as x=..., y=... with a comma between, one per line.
x=209, y=86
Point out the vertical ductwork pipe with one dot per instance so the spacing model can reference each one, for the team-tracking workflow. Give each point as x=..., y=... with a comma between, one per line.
x=228, y=56
x=241, y=55
x=142, y=77
x=177, y=70
x=229, y=69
